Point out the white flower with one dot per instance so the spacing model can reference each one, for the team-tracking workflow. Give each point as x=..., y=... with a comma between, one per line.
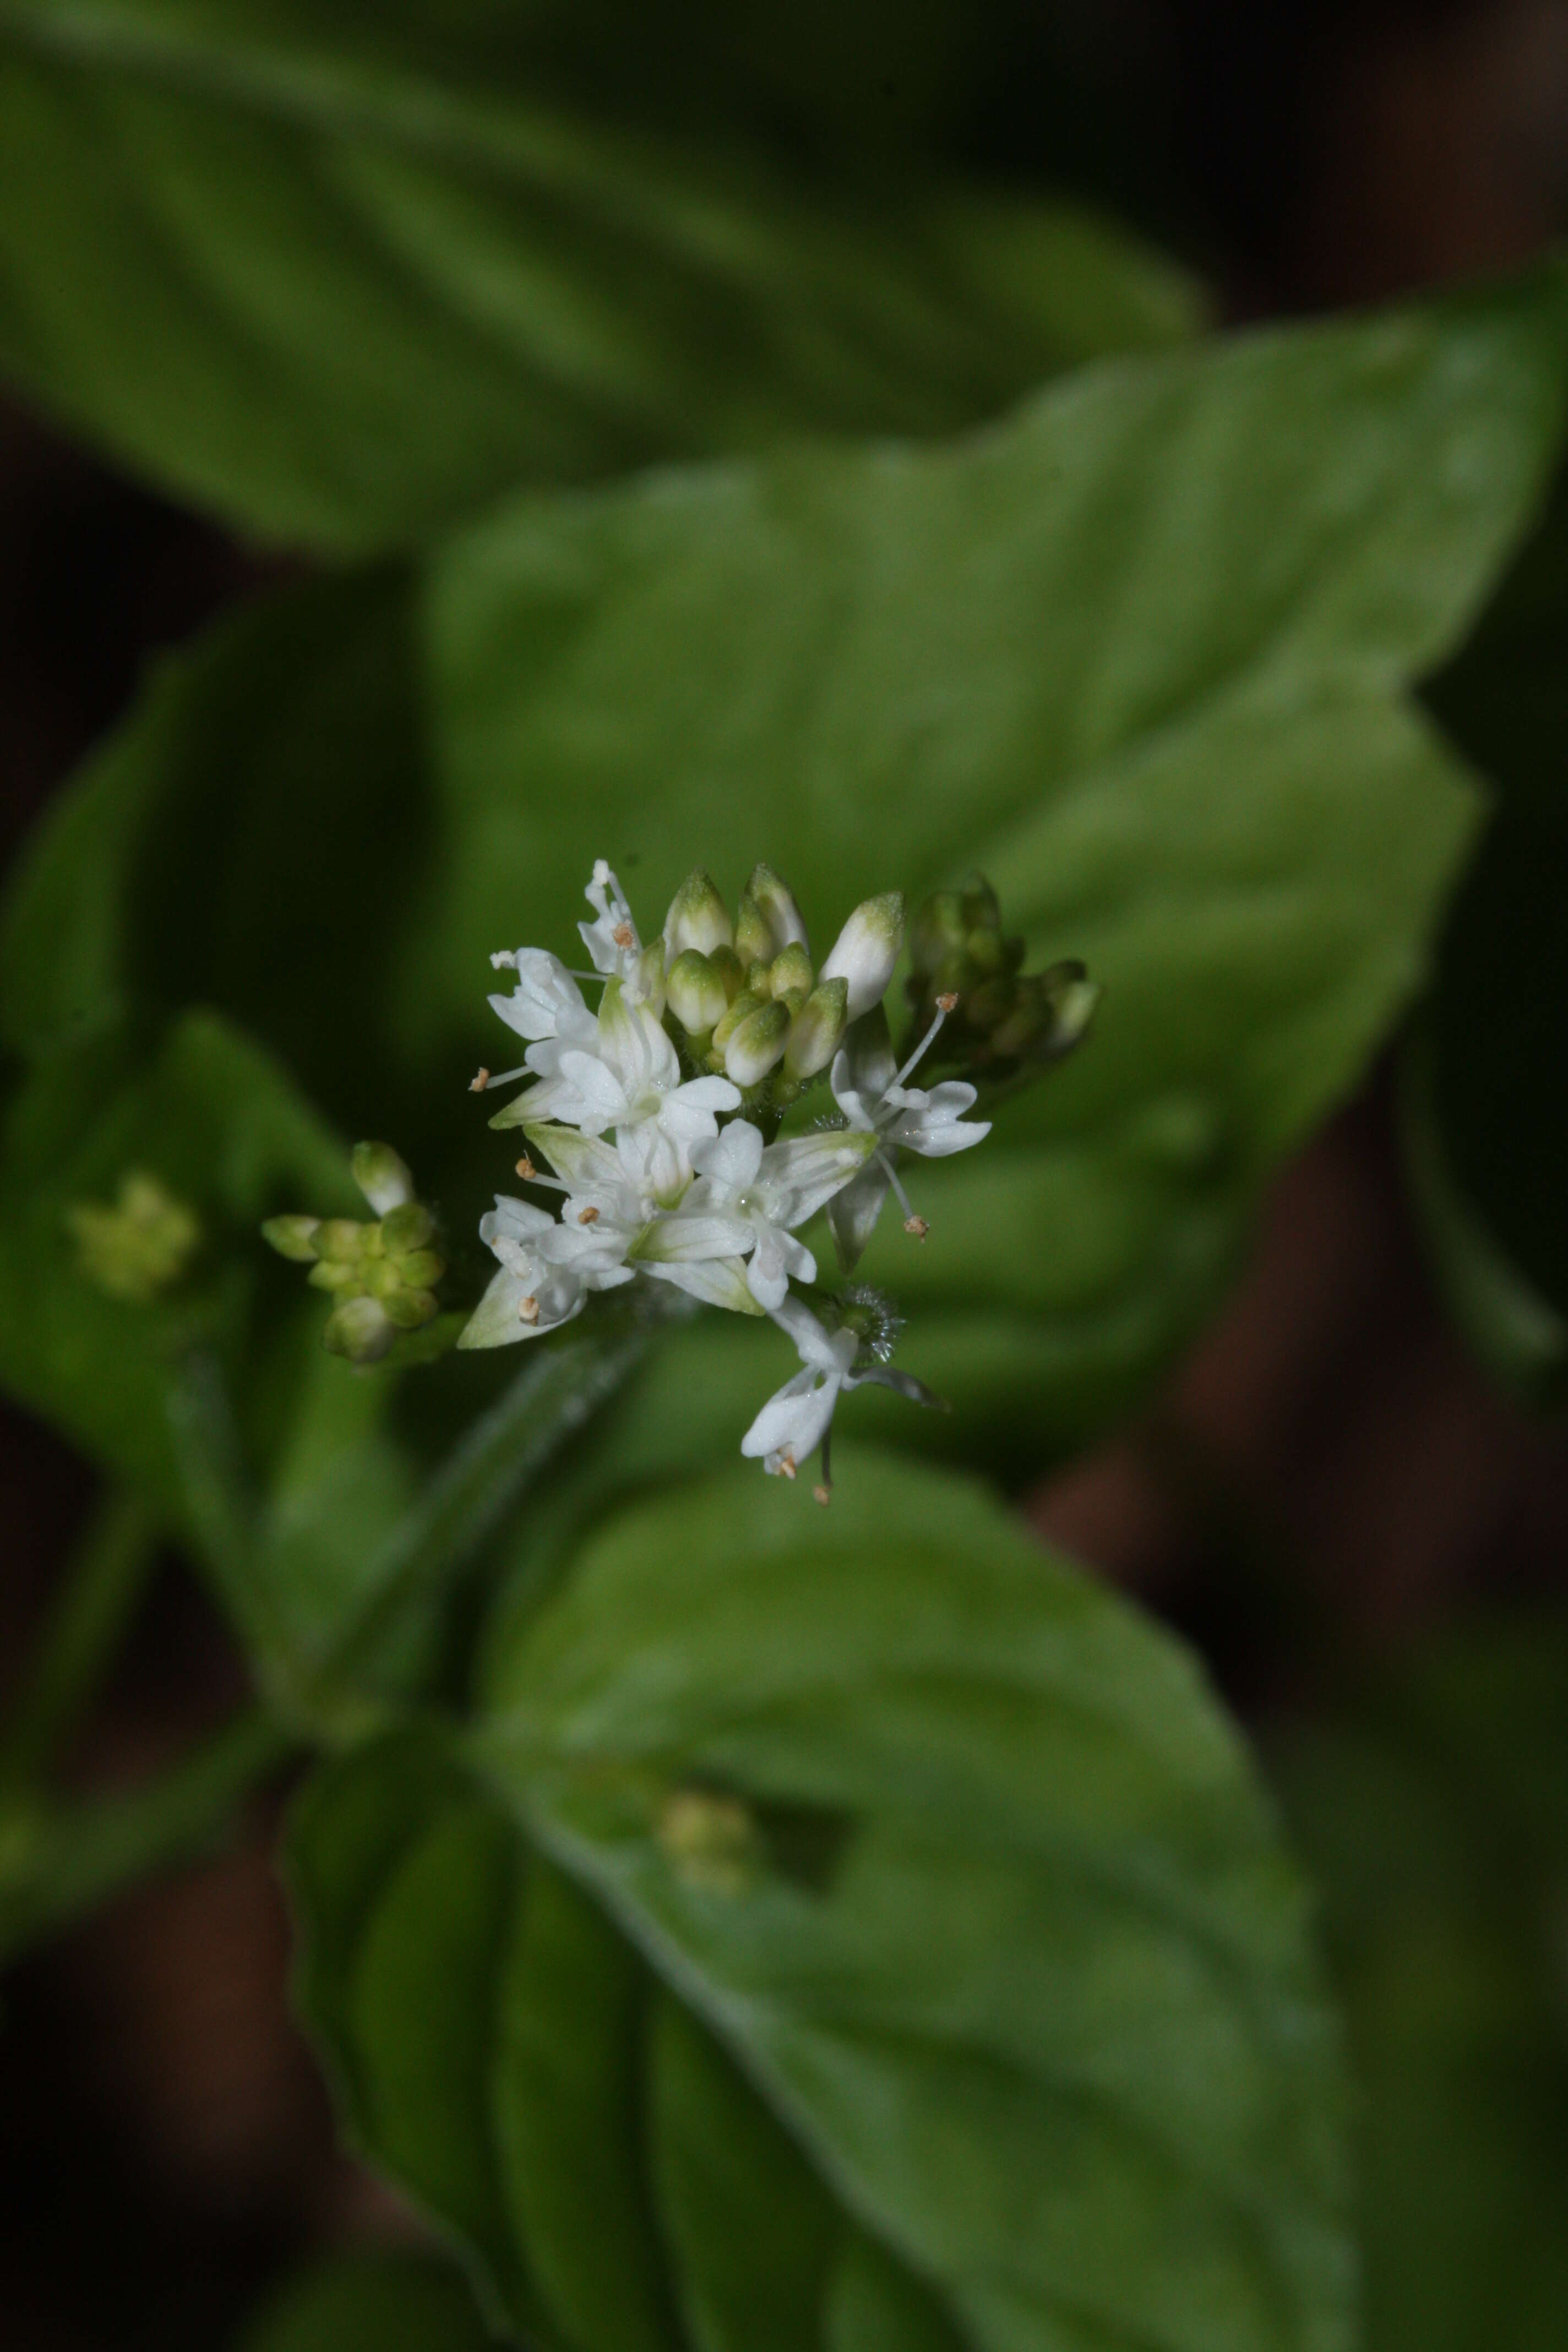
x=877, y=1103
x=612, y=942
x=630, y=1081
x=531, y=1293
x=761, y=1195
x=797, y=1418
x=605, y=1212
x=546, y=1007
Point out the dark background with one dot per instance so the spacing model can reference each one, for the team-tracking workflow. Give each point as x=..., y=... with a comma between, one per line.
x=1326, y=1458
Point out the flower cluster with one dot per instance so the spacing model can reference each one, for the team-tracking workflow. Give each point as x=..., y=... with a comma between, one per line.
x=655, y=1116
x=382, y=1276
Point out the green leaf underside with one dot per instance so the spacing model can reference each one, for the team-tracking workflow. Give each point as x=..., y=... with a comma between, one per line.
x=371, y=2302
x=1002, y=2031
x=344, y=285
x=1139, y=653
x=1435, y=1814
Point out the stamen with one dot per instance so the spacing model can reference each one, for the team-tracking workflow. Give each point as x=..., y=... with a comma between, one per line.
x=786, y=1465
x=588, y=1216
x=945, y=1005
x=498, y=1077
x=822, y=1494
x=526, y=1169
x=624, y=936
x=910, y=1221
x=823, y=1491
x=528, y=1309
x=478, y=1084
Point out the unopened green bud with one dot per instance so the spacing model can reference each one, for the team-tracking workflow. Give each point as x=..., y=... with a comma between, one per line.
x=748, y=1001
x=405, y=1229
x=817, y=1030
x=866, y=949
x=774, y=902
x=410, y=1310
x=382, y=1176
x=334, y=1273
x=421, y=1270
x=697, y=919
x=646, y=985
x=292, y=1237
x=754, y=933
x=340, y=1240
x=359, y=1330
x=936, y=930
x=1075, y=999
x=695, y=992
x=756, y=1043
x=790, y=972
x=379, y=1277
x=730, y=971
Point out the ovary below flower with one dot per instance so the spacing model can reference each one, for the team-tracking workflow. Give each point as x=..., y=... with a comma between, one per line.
x=797, y=1418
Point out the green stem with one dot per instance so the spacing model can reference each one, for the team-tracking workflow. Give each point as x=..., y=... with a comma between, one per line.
x=101, y=1589
x=484, y=1477
x=57, y=1865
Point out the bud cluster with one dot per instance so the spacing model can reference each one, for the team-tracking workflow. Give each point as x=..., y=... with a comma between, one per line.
x=383, y=1274
x=745, y=1000
x=142, y=1246
x=1003, y=1017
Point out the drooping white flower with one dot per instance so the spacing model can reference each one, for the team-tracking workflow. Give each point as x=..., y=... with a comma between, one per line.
x=876, y=1102
x=764, y=1194
x=546, y=1007
x=630, y=1082
x=612, y=941
x=798, y=1417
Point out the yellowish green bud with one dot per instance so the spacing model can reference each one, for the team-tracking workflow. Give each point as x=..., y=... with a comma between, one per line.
x=334, y=1273
x=756, y=1043
x=340, y=1240
x=140, y=1247
x=730, y=971
x=937, y=931
x=817, y=1030
x=754, y=933
x=410, y=1310
x=774, y=902
x=408, y=1228
x=359, y=1330
x=382, y=1176
x=790, y=972
x=697, y=919
x=740, y=1009
x=867, y=950
x=292, y=1237
x=695, y=991
x=421, y=1270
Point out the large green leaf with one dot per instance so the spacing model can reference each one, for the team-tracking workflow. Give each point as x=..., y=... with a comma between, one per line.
x=1436, y=1814
x=892, y=1948
x=344, y=276
x=1142, y=653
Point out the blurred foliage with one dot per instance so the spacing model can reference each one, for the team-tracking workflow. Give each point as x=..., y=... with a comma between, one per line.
x=372, y=2304
x=1435, y=1815
x=992, y=1920
x=1489, y=1110
x=396, y=263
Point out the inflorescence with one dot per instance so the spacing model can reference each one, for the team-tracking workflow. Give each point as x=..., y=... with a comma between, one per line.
x=655, y=1118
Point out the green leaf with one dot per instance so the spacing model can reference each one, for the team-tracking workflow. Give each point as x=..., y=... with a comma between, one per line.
x=1143, y=653
x=344, y=280
x=1434, y=1812
x=900, y=1954
x=370, y=2303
